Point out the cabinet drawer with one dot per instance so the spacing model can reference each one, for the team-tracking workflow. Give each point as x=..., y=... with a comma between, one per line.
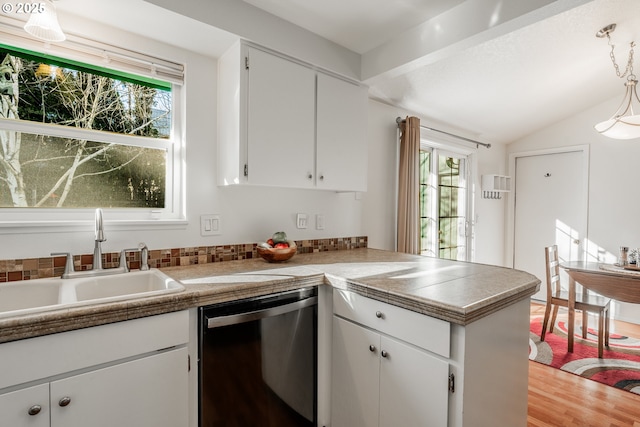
x=420, y=330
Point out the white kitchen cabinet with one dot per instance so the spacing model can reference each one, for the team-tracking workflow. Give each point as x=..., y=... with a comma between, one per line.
x=27, y=407
x=380, y=380
x=342, y=135
x=284, y=123
x=132, y=373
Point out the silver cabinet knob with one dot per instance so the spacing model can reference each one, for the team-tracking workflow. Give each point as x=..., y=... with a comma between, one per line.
x=379, y=314
x=321, y=177
x=309, y=176
x=383, y=353
x=34, y=410
x=372, y=348
x=64, y=401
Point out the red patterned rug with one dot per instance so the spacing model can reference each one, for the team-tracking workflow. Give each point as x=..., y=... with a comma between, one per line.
x=619, y=366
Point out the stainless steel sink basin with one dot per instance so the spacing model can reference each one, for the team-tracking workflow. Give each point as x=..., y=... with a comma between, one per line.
x=40, y=295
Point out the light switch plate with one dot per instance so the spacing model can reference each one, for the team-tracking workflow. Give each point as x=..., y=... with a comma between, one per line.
x=210, y=225
x=301, y=220
x=319, y=222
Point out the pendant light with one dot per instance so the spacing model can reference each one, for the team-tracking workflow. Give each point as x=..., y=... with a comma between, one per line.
x=625, y=122
x=43, y=23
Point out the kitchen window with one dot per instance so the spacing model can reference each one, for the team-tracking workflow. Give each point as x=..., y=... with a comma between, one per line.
x=75, y=136
x=445, y=202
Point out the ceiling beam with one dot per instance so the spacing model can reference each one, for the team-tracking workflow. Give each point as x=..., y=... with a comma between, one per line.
x=468, y=24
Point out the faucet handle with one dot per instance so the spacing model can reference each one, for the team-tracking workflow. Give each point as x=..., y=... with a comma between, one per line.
x=123, y=258
x=144, y=256
x=68, y=266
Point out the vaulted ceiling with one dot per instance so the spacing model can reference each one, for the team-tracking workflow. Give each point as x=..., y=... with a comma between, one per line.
x=495, y=70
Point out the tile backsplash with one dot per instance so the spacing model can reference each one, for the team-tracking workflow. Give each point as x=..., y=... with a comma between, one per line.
x=37, y=268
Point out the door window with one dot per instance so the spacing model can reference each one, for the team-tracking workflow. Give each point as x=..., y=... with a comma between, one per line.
x=444, y=204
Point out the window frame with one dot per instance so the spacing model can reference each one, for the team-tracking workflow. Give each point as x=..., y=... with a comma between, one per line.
x=173, y=215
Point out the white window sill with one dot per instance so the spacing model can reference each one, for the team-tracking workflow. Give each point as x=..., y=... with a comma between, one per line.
x=30, y=227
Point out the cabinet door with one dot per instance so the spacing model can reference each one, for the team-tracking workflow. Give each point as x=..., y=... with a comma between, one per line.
x=15, y=407
x=342, y=157
x=413, y=386
x=355, y=369
x=280, y=121
x=147, y=392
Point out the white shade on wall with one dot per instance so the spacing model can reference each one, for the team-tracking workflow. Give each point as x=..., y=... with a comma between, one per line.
x=44, y=24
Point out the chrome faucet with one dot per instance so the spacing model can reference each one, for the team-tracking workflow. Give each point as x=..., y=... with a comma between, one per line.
x=98, y=269
x=97, y=251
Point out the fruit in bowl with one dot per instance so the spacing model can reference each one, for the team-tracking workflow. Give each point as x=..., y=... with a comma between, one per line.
x=278, y=248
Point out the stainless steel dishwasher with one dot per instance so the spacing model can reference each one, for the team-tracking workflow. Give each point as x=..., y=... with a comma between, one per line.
x=258, y=361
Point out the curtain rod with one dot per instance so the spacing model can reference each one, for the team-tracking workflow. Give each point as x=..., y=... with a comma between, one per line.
x=473, y=141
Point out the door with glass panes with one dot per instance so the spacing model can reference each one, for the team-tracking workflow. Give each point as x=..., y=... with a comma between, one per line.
x=444, y=204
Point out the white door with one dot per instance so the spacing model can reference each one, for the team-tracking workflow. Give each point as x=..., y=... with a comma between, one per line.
x=281, y=122
x=148, y=392
x=28, y=407
x=355, y=375
x=550, y=208
x=341, y=135
x=413, y=386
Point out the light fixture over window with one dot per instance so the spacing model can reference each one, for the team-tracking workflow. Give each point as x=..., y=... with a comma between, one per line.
x=625, y=122
x=43, y=22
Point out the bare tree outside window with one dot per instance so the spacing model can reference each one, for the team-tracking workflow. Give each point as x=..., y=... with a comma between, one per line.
x=42, y=170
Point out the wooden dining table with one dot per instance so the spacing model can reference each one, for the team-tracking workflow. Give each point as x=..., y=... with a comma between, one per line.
x=607, y=280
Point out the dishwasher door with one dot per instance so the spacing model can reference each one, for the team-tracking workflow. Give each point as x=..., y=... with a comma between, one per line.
x=258, y=361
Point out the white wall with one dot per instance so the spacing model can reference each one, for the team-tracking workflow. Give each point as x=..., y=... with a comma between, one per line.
x=251, y=214
x=614, y=171
x=247, y=214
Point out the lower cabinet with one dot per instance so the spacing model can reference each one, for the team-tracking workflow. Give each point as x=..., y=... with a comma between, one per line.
x=137, y=393
x=139, y=390
x=379, y=380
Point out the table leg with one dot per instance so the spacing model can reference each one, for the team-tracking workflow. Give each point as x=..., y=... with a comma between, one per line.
x=572, y=313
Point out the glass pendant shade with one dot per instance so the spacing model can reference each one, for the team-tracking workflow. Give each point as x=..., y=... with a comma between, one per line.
x=44, y=25
x=624, y=124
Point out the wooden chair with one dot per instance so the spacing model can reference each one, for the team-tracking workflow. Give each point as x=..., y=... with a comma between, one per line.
x=585, y=302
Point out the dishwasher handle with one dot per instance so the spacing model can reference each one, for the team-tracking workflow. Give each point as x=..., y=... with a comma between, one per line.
x=233, y=319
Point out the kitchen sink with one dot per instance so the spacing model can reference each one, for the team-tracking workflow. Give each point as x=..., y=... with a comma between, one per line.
x=29, y=295
x=40, y=295
x=134, y=284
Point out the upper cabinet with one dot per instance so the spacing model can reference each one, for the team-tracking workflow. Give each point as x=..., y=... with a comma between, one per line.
x=283, y=123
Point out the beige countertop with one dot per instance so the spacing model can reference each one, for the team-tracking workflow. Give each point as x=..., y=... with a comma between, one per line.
x=457, y=292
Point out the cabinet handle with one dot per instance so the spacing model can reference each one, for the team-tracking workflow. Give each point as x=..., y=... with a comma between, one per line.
x=321, y=177
x=35, y=410
x=372, y=348
x=64, y=401
x=379, y=314
x=309, y=176
x=383, y=353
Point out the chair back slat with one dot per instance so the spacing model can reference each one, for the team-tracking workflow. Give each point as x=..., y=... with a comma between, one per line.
x=553, y=270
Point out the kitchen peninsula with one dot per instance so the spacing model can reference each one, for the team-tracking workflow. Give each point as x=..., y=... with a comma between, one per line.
x=471, y=319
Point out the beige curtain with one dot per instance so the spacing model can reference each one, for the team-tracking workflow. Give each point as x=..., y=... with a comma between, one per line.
x=409, y=187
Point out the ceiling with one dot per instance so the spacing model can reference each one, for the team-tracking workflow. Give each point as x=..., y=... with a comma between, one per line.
x=497, y=88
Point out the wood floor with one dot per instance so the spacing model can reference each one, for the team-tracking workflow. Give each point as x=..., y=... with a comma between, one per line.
x=559, y=399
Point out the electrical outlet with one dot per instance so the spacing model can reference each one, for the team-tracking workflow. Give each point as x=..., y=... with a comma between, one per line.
x=301, y=220
x=210, y=225
x=319, y=222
